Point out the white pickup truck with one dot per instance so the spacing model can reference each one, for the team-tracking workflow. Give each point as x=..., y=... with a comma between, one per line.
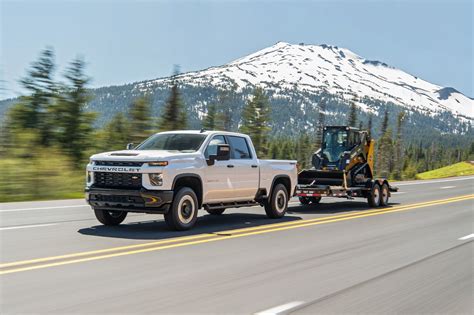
x=177, y=173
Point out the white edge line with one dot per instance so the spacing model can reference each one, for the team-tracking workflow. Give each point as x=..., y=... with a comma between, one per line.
x=447, y=187
x=281, y=308
x=26, y=226
x=466, y=237
x=42, y=208
x=422, y=182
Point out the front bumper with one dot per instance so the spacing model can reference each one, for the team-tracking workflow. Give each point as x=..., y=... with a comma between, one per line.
x=143, y=200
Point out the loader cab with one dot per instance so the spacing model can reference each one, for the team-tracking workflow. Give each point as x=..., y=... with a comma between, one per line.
x=337, y=140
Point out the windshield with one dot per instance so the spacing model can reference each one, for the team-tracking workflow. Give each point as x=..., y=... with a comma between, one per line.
x=181, y=142
x=334, y=144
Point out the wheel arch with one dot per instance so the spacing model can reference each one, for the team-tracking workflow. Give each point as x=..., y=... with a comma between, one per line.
x=192, y=181
x=281, y=179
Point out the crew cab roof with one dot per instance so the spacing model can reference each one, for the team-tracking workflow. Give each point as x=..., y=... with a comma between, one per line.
x=206, y=132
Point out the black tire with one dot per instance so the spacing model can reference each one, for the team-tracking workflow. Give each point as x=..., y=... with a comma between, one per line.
x=384, y=195
x=182, y=214
x=315, y=200
x=109, y=217
x=304, y=200
x=215, y=211
x=374, y=196
x=277, y=205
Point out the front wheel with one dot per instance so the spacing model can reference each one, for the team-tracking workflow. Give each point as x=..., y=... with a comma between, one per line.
x=277, y=205
x=182, y=214
x=110, y=217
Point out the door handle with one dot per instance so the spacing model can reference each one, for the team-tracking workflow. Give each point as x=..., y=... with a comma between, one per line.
x=254, y=166
x=230, y=165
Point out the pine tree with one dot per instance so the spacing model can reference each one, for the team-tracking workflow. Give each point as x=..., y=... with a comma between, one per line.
x=210, y=119
x=73, y=124
x=255, y=120
x=321, y=122
x=174, y=115
x=384, y=148
x=140, y=119
x=33, y=110
x=352, y=118
x=398, y=158
x=369, y=126
x=117, y=133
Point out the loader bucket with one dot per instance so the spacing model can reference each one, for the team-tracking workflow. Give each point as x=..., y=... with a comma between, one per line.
x=321, y=177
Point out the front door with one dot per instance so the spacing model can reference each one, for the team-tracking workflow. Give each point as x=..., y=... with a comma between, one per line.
x=218, y=176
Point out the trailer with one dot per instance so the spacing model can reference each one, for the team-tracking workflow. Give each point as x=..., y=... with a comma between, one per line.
x=343, y=168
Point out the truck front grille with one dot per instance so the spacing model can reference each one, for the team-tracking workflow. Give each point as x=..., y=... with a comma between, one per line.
x=118, y=163
x=117, y=180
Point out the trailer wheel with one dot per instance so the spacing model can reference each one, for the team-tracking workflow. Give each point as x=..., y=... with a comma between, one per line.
x=304, y=200
x=107, y=217
x=315, y=200
x=182, y=214
x=374, y=196
x=277, y=205
x=384, y=193
x=215, y=211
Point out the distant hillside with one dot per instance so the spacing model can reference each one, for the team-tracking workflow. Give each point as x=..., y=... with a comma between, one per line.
x=296, y=78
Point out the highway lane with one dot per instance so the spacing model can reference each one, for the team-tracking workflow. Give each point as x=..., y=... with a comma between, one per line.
x=409, y=256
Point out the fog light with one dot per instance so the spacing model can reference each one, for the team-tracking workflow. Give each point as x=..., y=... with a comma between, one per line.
x=89, y=176
x=156, y=179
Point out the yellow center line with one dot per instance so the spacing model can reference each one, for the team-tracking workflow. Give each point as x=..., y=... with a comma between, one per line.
x=207, y=235
x=192, y=240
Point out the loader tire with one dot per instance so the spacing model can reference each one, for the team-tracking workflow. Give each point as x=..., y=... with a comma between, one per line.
x=374, y=196
x=277, y=204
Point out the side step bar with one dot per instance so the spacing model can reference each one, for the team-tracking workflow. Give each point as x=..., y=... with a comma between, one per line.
x=236, y=204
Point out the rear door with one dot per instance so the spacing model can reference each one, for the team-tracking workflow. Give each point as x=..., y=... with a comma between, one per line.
x=245, y=180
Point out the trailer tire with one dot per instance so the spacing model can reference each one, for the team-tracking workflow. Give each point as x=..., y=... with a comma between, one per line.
x=107, y=217
x=384, y=195
x=374, y=196
x=182, y=215
x=277, y=205
x=304, y=200
x=315, y=200
x=215, y=211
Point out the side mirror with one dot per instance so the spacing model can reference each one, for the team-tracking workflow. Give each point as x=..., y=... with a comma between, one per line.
x=130, y=146
x=223, y=154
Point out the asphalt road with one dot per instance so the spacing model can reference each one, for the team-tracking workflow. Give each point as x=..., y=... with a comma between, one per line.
x=415, y=256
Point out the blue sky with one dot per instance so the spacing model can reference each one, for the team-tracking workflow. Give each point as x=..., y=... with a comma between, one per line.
x=128, y=41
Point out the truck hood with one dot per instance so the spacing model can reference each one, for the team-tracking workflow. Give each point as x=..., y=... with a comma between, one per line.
x=143, y=155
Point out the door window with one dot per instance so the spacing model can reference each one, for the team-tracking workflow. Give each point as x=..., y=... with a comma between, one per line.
x=239, y=148
x=212, y=146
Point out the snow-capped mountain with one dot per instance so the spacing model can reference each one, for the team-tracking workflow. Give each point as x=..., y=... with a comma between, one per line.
x=338, y=71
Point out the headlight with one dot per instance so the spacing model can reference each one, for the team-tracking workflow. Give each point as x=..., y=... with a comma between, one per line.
x=91, y=162
x=89, y=176
x=156, y=179
x=158, y=163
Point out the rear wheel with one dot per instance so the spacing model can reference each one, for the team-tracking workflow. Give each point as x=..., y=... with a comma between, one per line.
x=182, y=214
x=315, y=200
x=277, y=205
x=374, y=196
x=215, y=211
x=110, y=217
x=384, y=193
